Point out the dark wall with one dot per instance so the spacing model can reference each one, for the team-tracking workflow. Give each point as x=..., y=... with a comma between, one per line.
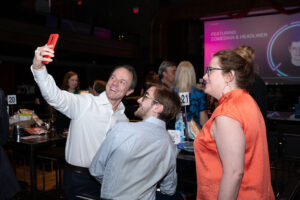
x=283, y=97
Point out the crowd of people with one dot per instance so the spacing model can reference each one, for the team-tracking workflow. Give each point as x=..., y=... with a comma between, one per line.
x=109, y=157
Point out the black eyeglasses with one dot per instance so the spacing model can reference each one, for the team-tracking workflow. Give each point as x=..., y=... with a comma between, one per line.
x=146, y=95
x=209, y=69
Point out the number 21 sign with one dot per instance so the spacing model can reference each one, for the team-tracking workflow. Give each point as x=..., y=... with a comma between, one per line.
x=184, y=98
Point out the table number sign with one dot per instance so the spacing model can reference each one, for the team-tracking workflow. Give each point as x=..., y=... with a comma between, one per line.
x=11, y=99
x=184, y=98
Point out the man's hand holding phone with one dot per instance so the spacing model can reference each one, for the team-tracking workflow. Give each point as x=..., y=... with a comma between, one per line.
x=51, y=43
x=43, y=55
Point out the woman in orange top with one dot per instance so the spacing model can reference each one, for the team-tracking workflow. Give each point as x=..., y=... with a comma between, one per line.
x=231, y=151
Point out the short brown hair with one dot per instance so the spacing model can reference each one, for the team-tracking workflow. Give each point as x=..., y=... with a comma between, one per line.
x=244, y=75
x=169, y=99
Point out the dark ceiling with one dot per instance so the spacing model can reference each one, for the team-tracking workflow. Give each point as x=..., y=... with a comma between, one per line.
x=147, y=29
x=155, y=33
x=118, y=14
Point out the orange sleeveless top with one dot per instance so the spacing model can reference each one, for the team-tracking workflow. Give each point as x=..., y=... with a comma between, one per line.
x=256, y=182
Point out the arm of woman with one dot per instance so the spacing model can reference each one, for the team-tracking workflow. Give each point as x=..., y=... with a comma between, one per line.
x=230, y=141
x=203, y=117
x=203, y=108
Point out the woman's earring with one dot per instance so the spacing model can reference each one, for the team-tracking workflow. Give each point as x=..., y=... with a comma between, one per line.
x=226, y=89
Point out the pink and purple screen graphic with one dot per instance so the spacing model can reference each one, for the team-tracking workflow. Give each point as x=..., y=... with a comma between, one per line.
x=275, y=38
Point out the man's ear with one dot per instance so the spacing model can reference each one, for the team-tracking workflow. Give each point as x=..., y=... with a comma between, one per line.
x=129, y=92
x=158, y=108
x=163, y=74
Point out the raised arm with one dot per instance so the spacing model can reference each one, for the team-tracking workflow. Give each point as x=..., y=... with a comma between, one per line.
x=203, y=117
x=230, y=140
x=69, y=104
x=203, y=108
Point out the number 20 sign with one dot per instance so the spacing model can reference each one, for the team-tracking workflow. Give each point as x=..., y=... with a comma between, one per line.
x=184, y=98
x=11, y=99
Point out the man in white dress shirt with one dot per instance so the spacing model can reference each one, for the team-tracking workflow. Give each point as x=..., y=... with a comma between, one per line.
x=91, y=117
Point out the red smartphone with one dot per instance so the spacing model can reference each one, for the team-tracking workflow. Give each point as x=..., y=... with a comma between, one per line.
x=52, y=41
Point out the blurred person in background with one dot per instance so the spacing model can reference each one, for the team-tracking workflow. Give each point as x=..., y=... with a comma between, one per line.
x=70, y=84
x=166, y=72
x=231, y=151
x=185, y=81
x=201, y=84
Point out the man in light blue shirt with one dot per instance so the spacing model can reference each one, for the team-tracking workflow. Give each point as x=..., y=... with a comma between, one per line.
x=134, y=157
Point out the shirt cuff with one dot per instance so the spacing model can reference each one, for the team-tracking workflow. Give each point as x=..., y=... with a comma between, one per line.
x=40, y=74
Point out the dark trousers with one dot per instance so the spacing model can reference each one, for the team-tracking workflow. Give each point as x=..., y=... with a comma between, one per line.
x=80, y=184
x=160, y=196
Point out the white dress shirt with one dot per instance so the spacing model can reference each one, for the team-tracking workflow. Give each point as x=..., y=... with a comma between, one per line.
x=91, y=117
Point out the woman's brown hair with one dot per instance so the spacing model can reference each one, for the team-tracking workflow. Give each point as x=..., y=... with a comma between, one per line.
x=244, y=75
x=68, y=75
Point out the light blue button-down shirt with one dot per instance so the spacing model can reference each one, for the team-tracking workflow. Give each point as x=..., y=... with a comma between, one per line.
x=133, y=158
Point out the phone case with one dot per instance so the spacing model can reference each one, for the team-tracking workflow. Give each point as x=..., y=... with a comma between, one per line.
x=52, y=41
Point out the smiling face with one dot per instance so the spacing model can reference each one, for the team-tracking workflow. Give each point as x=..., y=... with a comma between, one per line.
x=215, y=81
x=73, y=82
x=118, y=85
x=146, y=102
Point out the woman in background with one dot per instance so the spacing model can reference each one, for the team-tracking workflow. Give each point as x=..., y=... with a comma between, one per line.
x=185, y=81
x=231, y=151
x=70, y=84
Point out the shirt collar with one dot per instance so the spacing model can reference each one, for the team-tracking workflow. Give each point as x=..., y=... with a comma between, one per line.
x=104, y=100
x=156, y=121
x=231, y=94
